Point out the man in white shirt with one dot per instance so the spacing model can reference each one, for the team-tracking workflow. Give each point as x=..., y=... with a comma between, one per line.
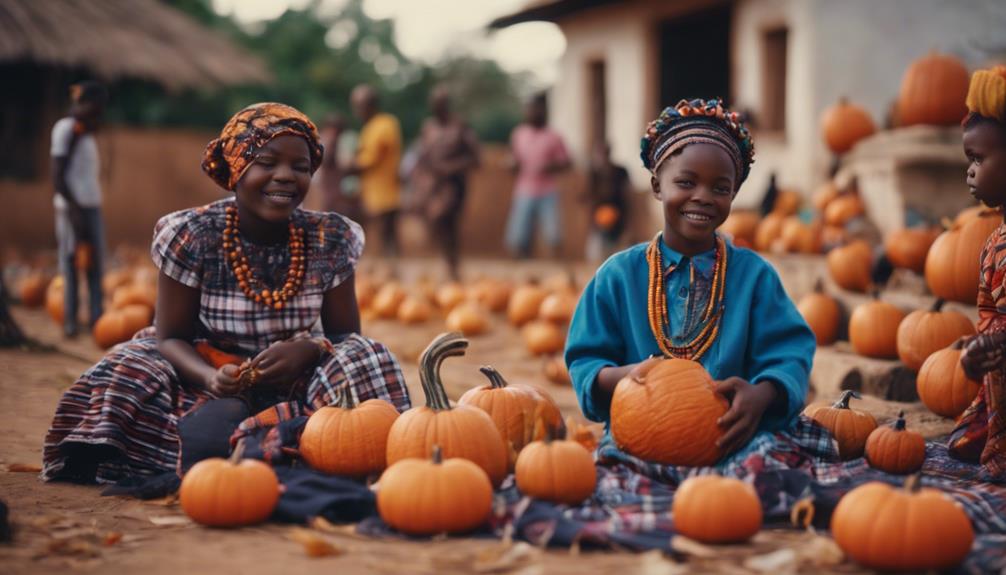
x=79, y=229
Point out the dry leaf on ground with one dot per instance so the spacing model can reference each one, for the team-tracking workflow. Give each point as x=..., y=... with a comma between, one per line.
x=314, y=545
x=170, y=520
x=23, y=468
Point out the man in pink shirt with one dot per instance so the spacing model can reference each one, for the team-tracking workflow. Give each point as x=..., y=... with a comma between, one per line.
x=539, y=154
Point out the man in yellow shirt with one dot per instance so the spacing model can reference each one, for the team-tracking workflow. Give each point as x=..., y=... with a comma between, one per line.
x=377, y=158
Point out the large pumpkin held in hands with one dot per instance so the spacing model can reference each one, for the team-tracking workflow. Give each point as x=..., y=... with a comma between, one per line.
x=429, y=496
x=349, y=439
x=933, y=91
x=850, y=427
x=229, y=492
x=666, y=410
x=557, y=470
x=942, y=385
x=463, y=431
x=714, y=509
x=895, y=449
x=952, y=264
x=822, y=313
x=911, y=529
x=845, y=124
x=923, y=332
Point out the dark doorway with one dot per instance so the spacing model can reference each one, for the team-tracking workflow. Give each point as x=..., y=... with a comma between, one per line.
x=695, y=56
x=773, y=116
x=597, y=121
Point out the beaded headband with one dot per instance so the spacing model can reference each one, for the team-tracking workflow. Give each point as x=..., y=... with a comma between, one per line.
x=698, y=121
x=987, y=93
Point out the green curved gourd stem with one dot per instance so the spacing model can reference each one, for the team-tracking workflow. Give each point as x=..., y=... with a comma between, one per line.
x=899, y=424
x=450, y=344
x=495, y=378
x=843, y=402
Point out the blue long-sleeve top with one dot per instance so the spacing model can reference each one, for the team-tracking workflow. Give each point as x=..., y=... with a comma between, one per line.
x=762, y=336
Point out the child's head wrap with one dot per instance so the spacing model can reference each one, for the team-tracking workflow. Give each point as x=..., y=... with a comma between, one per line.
x=698, y=121
x=987, y=94
x=227, y=157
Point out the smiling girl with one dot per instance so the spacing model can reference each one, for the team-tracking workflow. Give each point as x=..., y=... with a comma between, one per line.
x=690, y=294
x=252, y=275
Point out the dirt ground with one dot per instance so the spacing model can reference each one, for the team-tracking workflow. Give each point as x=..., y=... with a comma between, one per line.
x=60, y=527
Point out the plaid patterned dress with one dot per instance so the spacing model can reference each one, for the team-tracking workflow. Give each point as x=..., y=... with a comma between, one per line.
x=130, y=402
x=980, y=435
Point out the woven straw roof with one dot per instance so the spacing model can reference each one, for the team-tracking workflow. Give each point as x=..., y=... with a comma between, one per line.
x=116, y=38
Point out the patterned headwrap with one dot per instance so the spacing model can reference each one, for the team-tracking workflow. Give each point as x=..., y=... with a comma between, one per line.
x=693, y=122
x=227, y=157
x=987, y=94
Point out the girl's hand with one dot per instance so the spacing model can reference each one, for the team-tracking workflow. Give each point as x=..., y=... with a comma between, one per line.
x=983, y=353
x=284, y=362
x=747, y=404
x=224, y=381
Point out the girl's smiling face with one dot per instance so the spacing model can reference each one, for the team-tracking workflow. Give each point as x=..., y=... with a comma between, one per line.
x=696, y=187
x=277, y=181
x=985, y=147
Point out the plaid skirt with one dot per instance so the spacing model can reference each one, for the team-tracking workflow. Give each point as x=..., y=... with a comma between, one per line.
x=128, y=404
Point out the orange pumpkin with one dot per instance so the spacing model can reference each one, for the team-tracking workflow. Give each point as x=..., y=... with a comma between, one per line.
x=923, y=332
x=845, y=124
x=525, y=302
x=798, y=237
x=493, y=294
x=943, y=386
x=421, y=496
x=894, y=449
x=556, y=371
x=787, y=202
x=228, y=493
x=450, y=295
x=907, y=248
x=135, y=293
x=349, y=439
x=115, y=279
x=822, y=313
x=387, y=299
x=414, y=309
x=31, y=290
x=910, y=529
x=844, y=208
x=952, y=264
x=514, y=409
x=54, y=299
x=558, y=307
x=665, y=410
x=769, y=231
x=119, y=325
x=462, y=431
x=606, y=216
x=850, y=427
x=543, y=337
x=849, y=265
x=968, y=214
x=824, y=195
x=557, y=470
x=468, y=317
x=873, y=329
x=933, y=91
x=741, y=225
x=714, y=509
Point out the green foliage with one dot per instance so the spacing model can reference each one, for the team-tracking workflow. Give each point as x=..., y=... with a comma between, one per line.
x=317, y=76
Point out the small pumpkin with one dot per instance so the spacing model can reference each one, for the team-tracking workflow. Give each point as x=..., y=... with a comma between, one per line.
x=923, y=332
x=895, y=449
x=769, y=231
x=468, y=317
x=31, y=290
x=850, y=265
x=933, y=91
x=907, y=248
x=514, y=409
x=824, y=195
x=787, y=202
x=387, y=299
x=229, y=492
x=556, y=470
x=543, y=337
x=911, y=529
x=850, y=427
x=844, y=124
x=844, y=208
x=741, y=225
x=421, y=496
x=54, y=299
x=461, y=431
x=450, y=295
x=714, y=509
x=115, y=279
x=135, y=293
x=558, y=307
x=119, y=325
x=556, y=371
x=873, y=328
x=798, y=237
x=606, y=216
x=666, y=410
x=493, y=294
x=822, y=313
x=953, y=261
x=349, y=439
x=942, y=385
x=414, y=309
x=524, y=304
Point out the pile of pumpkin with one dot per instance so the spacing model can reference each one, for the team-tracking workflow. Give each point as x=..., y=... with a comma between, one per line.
x=129, y=307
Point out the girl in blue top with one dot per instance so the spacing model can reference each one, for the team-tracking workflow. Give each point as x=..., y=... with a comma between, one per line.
x=690, y=294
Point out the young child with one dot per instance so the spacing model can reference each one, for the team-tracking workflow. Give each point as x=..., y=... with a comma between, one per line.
x=252, y=275
x=724, y=307
x=980, y=435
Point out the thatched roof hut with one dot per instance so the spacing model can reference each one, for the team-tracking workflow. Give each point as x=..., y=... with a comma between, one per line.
x=124, y=38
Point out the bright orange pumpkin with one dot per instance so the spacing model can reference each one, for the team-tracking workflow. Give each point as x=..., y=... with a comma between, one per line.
x=873, y=329
x=349, y=439
x=469, y=318
x=557, y=470
x=952, y=264
x=741, y=225
x=923, y=332
x=450, y=295
x=558, y=307
x=850, y=265
x=933, y=91
x=524, y=304
x=907, y=248
x=844, y=208
x=714, y=509
x=119, y=325
x=606, y=216
x=414, y=309
x=229, y=492
x=387, y=299
x=543, y=337
x=895, y=449
x=943, y=386
x=822, y=313
x=844, y=124
x=850, y=427
x=769, y=231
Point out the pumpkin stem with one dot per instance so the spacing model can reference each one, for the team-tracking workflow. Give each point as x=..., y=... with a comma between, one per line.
x=819, y=285
x=437, y=455
x=938, y=304
x=443, y=346
x=495, y=378
x=347, y=400
x=913, y=482
x=899, y=424
x=843, y=402
x=802, y=513
x=875, y=292
x=238, y=453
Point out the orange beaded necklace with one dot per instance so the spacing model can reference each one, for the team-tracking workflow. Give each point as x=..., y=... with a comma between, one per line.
x=656, y=304
x=253, y=287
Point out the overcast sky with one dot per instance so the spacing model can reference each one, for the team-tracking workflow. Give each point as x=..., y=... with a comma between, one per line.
x=428, y=29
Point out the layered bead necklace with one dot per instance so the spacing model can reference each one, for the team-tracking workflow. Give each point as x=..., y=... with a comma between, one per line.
x=253, y=287
x=656, y=304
